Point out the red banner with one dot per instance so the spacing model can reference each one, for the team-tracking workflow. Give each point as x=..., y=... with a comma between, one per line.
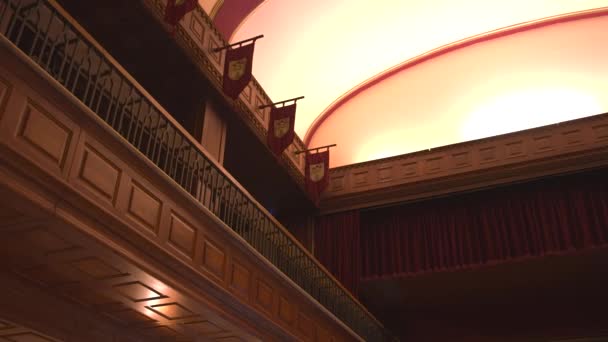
x=177, y=9
x=281, y=128
x=237, y=70
x=317, y=174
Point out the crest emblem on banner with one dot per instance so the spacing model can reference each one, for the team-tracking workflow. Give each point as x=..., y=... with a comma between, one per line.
x=236, y=68
x=281, y=127
x=317, y=171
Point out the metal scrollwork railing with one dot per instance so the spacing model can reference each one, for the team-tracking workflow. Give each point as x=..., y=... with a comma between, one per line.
x=46, y=35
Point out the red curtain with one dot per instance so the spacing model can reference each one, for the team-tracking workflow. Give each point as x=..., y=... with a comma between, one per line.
x=337, y=243
x=550, y=216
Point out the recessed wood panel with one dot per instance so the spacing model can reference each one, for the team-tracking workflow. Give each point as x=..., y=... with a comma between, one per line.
x=47, y=135
x=487, y=154
x=131, y=316
x=97, y=269
x=43, y=241
x=409, y=169
x=51, y=276
x=214, y=259
x=144, y=207
x=360, y=178
x=100, y=174
x=433, y=165
x=137, y=291
x=247, y=93
x=215, y=56
x=514, y=149
x=461, y=159
x=601, y=131
x=543, y=144
x=205, y=328
x=4, y=91
x=164, y=331
x=264, y=295
x=197, y=28
x=182, y=235
x=91, y=297
x=306, y=326
x=240, y=279
x=172, y=311
x=286, y=310
x=385, y=174
x=337, y=183
x=573, y=137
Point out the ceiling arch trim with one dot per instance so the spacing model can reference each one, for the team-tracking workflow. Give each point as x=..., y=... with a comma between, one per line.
x=491, y=35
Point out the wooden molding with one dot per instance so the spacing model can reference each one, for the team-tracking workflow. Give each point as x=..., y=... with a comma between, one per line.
x=555, y=149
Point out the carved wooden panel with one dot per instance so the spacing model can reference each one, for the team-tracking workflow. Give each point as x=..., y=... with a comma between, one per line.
x=240, y=279
x=46, y=134
x=214, y=259
x=96, y=268
x=487, y=154
x=410, y=169
x=306, y=327
x=99, y=174
x=144, y=207
x=264, y=295
x=461, y=159
x=600, y=131
x=287, y=311
x=172, y=311
x=182, y=235
x=197, y=28
x=137, y=292
x=434, y=165
x=4, y=95
x=385, y=174
x=573, y=137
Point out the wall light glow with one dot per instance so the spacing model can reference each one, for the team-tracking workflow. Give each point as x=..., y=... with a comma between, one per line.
x=527, y=108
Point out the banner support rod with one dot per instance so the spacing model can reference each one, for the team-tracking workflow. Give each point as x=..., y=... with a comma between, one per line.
x=315, y=149
x=295, y=99
x=238, y=43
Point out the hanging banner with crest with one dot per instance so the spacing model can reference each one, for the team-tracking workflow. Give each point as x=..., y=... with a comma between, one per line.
x=317, y=174
x=281, y=128
x=237, y=69
x=177, y=9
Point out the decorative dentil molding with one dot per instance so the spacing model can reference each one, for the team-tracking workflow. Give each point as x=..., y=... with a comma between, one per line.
x=563, y=147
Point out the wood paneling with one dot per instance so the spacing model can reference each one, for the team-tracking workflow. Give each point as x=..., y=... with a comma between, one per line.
x=99, y=174
x=564, y=147
x=214, y=259
x=93, y=246
x=144, y=207
x=182, y=235
x=45, y=134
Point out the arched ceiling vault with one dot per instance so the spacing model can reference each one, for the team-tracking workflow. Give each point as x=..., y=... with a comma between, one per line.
x=333, y=51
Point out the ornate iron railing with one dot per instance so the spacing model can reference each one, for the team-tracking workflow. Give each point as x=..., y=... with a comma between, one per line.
x=46, y=35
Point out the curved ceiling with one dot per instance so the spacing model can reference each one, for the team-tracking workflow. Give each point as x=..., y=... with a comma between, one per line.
x=323, y=49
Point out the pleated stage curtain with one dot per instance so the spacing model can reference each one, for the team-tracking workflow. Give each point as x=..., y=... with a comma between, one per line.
x=336, y=239
x=550, y=216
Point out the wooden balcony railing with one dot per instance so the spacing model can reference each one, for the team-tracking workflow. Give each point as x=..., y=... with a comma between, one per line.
x=51, y=39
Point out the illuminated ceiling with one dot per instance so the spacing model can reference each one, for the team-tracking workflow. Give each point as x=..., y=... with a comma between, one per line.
x=326, y=49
